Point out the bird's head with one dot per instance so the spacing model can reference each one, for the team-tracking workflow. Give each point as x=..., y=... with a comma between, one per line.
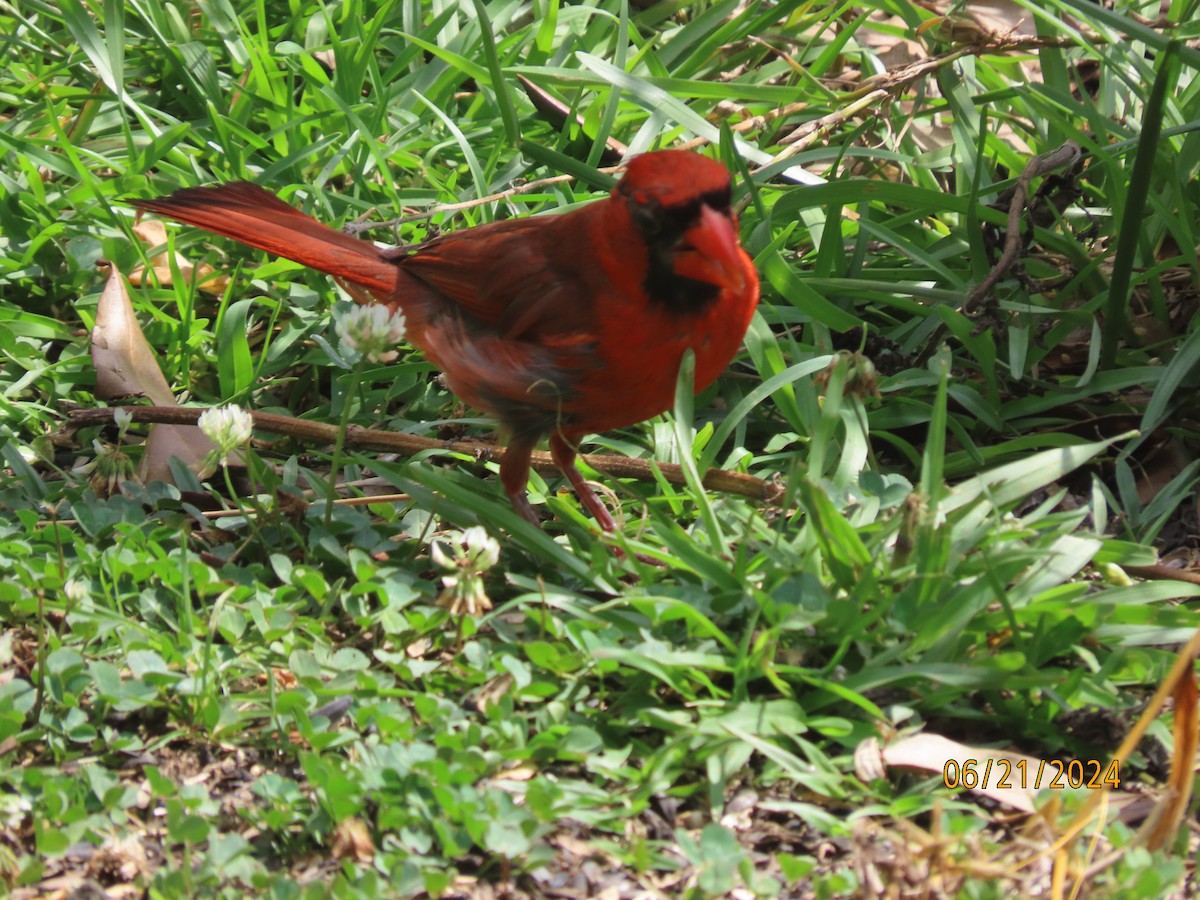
x=679, y=203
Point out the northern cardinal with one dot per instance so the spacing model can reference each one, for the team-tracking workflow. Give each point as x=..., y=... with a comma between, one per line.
x=559, y=325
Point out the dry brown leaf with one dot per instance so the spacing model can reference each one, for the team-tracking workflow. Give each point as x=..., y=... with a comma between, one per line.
x=493, y=691
x=887, y=41
x=352, y=840
x=868, y=761
x=418, y=648
x=934, y=753
x=187, y=442
x=69, y=883
x=516, y=773
x=153, y=233
x=125, y=364
x=1003, y=18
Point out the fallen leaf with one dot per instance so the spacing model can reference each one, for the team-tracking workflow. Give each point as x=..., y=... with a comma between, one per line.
x=934, y=753
x=352, y=840
x=153, y=233
x=125, y=364
x=492, y=691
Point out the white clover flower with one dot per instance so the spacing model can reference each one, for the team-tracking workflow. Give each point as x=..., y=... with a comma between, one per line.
x=471, y=554
x=123, y=417
x=372, y=331
x=483, y=550
x=107, y=469
x=75, y=590
x=13, y=810
x=228, y=427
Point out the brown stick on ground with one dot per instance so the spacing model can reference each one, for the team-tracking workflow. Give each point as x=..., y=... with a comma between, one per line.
x=1163, y=573
x=409, y=444
x=1066, y=155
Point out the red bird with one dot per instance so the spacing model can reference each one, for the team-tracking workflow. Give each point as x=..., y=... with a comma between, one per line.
x=559, y=325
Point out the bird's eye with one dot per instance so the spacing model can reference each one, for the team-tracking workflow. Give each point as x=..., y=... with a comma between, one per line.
x=647, y=216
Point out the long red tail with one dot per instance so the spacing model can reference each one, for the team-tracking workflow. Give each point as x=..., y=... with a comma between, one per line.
x=247, y=213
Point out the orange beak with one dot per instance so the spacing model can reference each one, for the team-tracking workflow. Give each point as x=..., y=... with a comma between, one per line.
x=715, y=255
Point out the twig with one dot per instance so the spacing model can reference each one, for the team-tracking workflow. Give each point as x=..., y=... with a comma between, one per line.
x=811, y=132
x=359, y=438
x=557, y=113
x=1163, y=573
x=1066, y=155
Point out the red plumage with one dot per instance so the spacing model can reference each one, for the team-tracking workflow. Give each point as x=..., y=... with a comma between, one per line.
x=559, y=325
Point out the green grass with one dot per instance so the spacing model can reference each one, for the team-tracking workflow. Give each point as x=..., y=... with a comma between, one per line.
x=952, y=487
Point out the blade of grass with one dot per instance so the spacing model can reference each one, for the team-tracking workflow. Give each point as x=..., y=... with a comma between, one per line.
x=504, y=101
x=682, y=425
x=1116, y=306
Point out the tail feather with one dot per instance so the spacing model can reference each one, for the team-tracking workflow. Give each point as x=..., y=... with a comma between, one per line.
x=254, y=216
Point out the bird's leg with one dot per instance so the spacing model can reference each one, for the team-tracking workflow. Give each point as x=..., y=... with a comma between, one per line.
x=514, y=475
x=564, y=455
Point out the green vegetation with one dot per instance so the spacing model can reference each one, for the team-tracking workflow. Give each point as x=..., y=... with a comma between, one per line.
x=274, y=702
